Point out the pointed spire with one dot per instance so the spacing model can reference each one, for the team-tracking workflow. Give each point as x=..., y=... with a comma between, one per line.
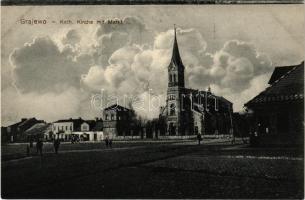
x=176, y=59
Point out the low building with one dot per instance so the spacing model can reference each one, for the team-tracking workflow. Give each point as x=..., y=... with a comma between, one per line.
x=278, y=111
x=63, y=128
x=119, y=123
x=40, y=130
x=78, y=129
x=16, y=131
x=90, y=130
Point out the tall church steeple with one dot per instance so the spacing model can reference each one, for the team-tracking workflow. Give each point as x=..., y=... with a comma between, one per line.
x=176, y=59
x=176, y=67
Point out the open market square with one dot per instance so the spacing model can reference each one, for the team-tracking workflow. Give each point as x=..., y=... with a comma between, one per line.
x=153, y=169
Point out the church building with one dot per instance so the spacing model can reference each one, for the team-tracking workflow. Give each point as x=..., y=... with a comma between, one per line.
x=190, y=112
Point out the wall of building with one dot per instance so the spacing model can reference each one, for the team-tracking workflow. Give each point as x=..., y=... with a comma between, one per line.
x=84, y=127
x=66, y=127
x=99, y=135
x=198, y=123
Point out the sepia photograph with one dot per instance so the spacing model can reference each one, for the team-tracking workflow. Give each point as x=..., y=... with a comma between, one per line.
x=152, y=101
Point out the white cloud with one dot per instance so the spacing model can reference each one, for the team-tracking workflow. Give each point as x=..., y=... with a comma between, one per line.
x=122, y=65
x=49, y=106
x=72, y=37
x=257, y=85
x=41, y=67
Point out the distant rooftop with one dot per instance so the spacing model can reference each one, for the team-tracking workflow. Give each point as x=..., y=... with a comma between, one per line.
x=116, y=107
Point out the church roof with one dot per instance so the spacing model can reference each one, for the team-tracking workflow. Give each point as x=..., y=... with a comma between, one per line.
x=176, y=59
x=288, y=87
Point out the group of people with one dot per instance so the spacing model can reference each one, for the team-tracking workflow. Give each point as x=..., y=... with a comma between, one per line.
x=56, y=144
x=108, y=142
x=39, y=146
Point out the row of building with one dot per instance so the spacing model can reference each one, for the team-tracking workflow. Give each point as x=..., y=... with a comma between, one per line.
x=66, y=130
x=117, y=123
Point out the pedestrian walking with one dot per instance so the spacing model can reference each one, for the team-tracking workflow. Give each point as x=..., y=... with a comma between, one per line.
x=56, y=145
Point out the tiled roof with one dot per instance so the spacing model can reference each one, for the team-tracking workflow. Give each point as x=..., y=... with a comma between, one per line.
x=195, y=94
x=29, y=122
x=39, y=128
x=278, y=72
x=288, y=87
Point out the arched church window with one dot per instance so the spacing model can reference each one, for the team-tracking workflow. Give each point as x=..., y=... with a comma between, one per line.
x=172, y=109
x=175, y=78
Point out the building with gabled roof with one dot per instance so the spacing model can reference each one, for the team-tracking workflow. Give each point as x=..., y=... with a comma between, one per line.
x=279, y=109
x=16, y=131
x=39, y=130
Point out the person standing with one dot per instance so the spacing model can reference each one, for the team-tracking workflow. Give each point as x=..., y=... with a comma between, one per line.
x=39, y=146
x=106, y=142
x=199, y=138
x=110, y=143
x=27, y=150
x=56, y=145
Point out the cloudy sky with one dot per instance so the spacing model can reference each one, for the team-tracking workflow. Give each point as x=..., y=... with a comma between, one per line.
x=53, y=71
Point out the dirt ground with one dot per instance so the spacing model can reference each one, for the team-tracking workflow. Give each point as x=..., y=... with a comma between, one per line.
x=155, y=170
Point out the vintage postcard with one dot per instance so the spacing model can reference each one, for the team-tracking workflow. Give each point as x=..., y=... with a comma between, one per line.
x=152, y=101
